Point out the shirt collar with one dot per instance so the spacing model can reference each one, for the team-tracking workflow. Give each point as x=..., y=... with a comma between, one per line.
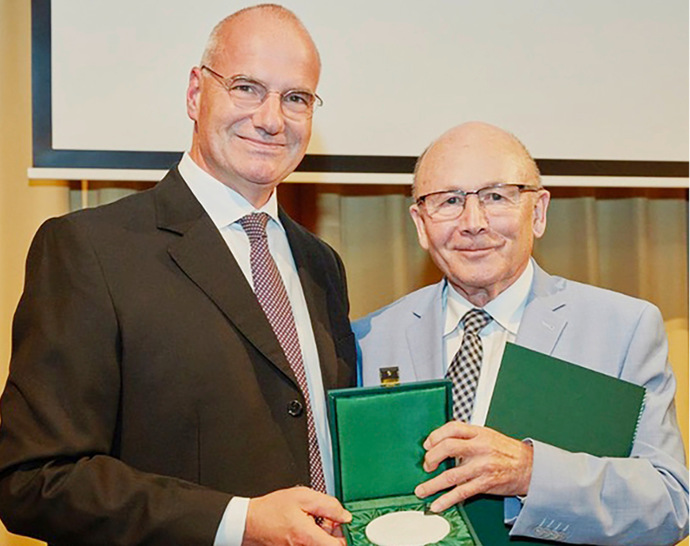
x=506, y=309
x=223, y=204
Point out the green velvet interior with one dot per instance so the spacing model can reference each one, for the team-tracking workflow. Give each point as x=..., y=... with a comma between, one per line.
x=365, y=511
x=379, y=435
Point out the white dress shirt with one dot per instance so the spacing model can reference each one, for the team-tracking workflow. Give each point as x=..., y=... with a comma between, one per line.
x=506, y=310
x=225, y=207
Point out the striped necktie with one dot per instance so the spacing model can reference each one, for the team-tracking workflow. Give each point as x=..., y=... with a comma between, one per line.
x=273, y=298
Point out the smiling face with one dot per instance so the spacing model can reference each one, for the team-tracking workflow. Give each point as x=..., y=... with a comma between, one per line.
x=481, y=254
x=253, y=150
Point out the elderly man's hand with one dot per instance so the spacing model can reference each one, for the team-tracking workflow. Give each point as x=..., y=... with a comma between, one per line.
x=288, y=516
x=488, y=462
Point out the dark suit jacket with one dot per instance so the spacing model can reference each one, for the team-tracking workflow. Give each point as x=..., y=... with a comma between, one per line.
x=146, y=384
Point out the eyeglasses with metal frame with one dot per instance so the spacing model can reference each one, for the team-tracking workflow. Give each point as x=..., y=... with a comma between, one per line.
x=248, y=93
x=494, y=199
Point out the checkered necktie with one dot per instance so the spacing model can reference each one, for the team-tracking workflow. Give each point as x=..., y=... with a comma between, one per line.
x=271, y=293
x=464, y=369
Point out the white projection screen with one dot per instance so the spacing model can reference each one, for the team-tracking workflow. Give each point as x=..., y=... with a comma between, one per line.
x=596, y=89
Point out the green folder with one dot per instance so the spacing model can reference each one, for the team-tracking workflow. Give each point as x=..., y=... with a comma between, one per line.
x=559, y=403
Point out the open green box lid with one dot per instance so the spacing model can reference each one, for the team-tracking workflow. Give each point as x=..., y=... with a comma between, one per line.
x=377, y=435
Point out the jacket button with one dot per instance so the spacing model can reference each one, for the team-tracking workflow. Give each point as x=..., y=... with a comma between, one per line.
x=295, y=408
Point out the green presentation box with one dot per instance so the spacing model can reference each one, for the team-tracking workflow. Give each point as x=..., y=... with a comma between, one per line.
x=377, y=435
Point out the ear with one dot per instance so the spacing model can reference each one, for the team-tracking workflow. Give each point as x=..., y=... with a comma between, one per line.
x=539, y=214
x=194, y=93
x=419, y=224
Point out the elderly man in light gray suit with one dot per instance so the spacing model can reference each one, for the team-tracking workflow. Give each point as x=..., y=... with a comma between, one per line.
x=478, y=206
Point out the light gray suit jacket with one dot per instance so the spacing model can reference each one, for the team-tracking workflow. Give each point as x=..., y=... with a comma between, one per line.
x=573, y=497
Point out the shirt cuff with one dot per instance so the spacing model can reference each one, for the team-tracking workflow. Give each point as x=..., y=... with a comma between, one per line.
x=231, y=529
x=511, y=510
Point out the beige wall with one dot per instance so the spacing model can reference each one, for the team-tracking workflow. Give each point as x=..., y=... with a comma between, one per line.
x=24, y=205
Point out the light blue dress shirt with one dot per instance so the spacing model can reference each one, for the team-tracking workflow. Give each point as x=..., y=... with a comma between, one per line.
x=506, y=310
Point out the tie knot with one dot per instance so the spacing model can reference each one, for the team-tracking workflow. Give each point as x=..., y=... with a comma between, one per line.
x=475, y=319
x=254, y=225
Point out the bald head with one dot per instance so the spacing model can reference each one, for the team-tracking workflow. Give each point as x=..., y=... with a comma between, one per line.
x=482, y=208
x=476, y=139
x=272, y=17
x=252, y=148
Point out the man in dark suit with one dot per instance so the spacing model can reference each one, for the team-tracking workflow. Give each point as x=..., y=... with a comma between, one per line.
x=159, y=392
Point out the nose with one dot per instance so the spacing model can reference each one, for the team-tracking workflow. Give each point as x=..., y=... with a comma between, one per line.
x=473, y=219
x=269, y=115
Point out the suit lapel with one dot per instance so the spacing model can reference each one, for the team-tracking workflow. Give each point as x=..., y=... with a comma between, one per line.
x=541, y=326
x=202, y=254
x=427, y=360
x=316, y=298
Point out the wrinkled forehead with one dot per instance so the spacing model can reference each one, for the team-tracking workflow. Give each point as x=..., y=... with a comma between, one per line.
x=469, y=166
